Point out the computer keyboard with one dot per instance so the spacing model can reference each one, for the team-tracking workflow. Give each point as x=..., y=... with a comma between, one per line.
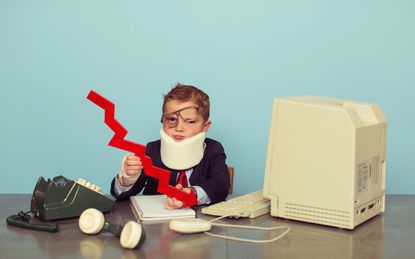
x=250, y=205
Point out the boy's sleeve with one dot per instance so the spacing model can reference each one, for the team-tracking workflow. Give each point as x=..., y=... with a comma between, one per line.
x=136, y=188
x=118, y=188
x=202, y=197
x=217, y=184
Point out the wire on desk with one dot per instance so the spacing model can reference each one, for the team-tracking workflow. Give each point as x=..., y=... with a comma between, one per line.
x=247, y=227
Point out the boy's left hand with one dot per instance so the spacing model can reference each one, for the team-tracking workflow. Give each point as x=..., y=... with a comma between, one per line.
x=173, y=203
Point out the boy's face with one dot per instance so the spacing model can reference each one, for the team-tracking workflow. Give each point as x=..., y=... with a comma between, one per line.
x=181, y=120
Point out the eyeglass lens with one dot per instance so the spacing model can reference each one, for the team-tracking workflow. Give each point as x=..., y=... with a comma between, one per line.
x=189, y=115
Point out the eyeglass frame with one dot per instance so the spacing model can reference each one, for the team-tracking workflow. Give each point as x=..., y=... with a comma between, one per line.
x=177, y=113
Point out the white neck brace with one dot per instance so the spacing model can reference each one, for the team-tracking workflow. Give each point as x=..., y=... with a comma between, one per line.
x=184, y=154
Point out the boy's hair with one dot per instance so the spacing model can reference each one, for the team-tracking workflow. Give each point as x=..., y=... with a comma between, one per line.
x=184, y=93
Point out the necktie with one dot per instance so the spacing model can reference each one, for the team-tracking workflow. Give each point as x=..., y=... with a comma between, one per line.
x=182, y=179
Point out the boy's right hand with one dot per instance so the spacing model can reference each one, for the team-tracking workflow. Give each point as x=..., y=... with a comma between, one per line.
x=130, y=170
x=132, y=165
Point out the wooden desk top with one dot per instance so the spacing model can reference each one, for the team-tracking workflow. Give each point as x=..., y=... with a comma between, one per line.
x=391, y=235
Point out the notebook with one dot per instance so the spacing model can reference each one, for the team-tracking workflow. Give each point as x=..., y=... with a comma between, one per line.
x=151, y=207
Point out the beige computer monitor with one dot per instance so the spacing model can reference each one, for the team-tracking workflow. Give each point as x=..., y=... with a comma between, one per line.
x=326, y=161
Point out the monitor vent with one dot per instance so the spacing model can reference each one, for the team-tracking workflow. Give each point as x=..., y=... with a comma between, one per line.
x=317, y=214
x=375, y=170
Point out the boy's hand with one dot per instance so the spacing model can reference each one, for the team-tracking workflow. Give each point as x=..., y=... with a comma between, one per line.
x=173, y=203
x=131, y=168
x=132, y=165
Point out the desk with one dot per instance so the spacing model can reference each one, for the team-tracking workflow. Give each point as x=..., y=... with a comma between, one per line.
x=391, y=235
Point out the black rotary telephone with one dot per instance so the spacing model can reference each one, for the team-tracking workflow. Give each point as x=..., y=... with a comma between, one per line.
x=60, y=198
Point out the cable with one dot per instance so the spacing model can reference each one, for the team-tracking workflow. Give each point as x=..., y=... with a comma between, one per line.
x=247, y=227
x=22, y=220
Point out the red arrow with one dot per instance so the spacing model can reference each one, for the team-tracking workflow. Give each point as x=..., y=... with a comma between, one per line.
x=118, y=141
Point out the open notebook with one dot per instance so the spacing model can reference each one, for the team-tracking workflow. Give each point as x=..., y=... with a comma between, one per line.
x=151, y=207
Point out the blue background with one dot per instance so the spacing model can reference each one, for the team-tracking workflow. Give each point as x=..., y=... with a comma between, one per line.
x=242, y=53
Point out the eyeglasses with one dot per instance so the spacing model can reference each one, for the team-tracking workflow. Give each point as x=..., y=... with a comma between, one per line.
x=189, y=116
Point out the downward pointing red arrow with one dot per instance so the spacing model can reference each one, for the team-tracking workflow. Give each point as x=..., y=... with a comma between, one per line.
x=119, y=141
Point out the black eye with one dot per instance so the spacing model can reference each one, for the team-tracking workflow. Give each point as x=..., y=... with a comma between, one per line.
x=171, y=119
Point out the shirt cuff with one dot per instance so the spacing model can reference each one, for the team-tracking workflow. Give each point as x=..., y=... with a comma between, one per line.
x=119, y=188
x=202, y=197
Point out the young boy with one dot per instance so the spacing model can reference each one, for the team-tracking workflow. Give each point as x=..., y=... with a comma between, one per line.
x=196, y=163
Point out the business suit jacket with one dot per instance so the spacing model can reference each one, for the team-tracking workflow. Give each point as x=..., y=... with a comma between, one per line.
x=210, y=174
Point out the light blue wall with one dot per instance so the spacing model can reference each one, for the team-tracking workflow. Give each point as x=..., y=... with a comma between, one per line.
x=242, y=53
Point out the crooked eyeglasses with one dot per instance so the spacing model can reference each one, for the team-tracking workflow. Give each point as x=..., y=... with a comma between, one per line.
x=189, y=115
